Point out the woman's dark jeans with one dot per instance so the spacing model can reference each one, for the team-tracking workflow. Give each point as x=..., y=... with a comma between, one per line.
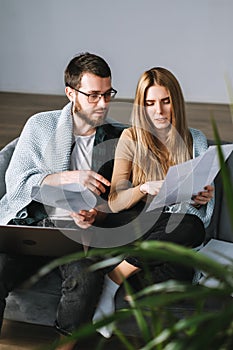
x=183, y=229
x=80, y=289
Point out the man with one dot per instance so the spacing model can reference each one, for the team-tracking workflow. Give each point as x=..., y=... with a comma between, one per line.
x=57, y=148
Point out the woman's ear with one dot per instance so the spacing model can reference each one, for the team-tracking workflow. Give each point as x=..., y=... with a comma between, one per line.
x=70, y=93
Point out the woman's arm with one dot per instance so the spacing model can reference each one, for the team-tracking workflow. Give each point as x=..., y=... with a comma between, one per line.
x=122, y=194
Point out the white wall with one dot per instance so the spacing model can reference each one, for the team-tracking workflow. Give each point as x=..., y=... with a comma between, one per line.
x=193, y=38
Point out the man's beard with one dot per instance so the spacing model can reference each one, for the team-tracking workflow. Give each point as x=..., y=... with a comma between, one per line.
x=87, y=117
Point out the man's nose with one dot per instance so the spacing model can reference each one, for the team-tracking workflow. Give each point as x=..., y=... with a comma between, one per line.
x=102, y=102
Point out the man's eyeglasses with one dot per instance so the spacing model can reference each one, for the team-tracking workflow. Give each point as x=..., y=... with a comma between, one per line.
x=94, y=97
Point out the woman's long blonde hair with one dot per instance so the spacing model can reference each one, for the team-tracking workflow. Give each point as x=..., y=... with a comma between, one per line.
x=153, y=157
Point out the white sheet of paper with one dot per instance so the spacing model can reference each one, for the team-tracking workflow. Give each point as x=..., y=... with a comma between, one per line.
x=219, y=251
x=187, y=179
x=72, y=197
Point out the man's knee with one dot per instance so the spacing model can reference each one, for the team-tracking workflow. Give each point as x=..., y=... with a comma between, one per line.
x=77, y=275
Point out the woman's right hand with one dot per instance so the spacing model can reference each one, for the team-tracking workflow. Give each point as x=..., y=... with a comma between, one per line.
x=151, y=187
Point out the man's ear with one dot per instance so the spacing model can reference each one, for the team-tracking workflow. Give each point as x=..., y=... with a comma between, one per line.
x=70, y=93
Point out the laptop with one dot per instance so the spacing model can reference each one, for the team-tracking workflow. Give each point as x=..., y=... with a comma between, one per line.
x=43, y=241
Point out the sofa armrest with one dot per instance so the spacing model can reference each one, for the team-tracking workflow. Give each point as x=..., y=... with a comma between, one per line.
x=5, y=157
x=220, y=225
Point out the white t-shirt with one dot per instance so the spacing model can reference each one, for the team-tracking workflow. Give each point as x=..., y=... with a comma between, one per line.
x=81, y=156
x=81, y=159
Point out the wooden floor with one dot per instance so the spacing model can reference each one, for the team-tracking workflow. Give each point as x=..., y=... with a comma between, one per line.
x=23, y=336
x=18, y=335
x=15, y=109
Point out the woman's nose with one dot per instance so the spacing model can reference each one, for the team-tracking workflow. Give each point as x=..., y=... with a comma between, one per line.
x=158, y=108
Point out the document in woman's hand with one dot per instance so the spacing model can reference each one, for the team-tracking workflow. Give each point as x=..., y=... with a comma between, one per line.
x=187, y=179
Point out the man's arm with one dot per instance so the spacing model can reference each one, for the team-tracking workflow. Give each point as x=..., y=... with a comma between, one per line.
x=88, y=178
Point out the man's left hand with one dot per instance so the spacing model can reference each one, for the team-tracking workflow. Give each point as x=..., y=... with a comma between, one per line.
x=84, y=218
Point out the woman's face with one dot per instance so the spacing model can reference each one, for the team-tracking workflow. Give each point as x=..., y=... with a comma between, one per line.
x=158, y=106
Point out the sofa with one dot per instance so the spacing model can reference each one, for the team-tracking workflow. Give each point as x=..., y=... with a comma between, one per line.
x=38, y=304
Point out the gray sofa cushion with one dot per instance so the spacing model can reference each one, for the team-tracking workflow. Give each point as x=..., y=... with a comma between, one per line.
x=38, y=304
x=220, y=225
x=5, y=157
x=225, y=231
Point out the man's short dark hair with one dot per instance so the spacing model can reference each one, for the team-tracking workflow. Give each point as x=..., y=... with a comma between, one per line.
x=85, y=63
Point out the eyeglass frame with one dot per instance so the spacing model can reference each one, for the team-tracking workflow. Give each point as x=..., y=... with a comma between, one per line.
x=97, y=94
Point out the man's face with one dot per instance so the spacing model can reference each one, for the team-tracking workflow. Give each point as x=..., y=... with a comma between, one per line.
x=92, y=113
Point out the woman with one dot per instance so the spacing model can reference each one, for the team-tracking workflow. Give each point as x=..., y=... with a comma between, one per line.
x=159, y=138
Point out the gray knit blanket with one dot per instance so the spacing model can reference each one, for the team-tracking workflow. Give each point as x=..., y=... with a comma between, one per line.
x=43, y=148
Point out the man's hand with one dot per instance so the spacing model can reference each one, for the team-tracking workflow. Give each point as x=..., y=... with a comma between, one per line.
x=204, y=197
x=88, y=178
x=84, y=218
x=151, y=187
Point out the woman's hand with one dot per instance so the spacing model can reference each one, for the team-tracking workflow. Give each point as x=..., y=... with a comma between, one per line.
x=151, y=187
x=84, y=218
x=204, y=197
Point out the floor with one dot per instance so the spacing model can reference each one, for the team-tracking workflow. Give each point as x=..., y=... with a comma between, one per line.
x=23, y=336
x=15, y=109
x=17, y=336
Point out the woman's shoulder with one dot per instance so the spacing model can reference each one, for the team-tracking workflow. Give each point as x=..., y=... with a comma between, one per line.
x=197, y=134
x=128, y=133
x=200, y=144
x=126, y=144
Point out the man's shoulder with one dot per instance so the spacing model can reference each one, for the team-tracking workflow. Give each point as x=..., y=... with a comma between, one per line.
x=52, y=117
x=114, y=128
x=45, y=115
x=43, y=120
